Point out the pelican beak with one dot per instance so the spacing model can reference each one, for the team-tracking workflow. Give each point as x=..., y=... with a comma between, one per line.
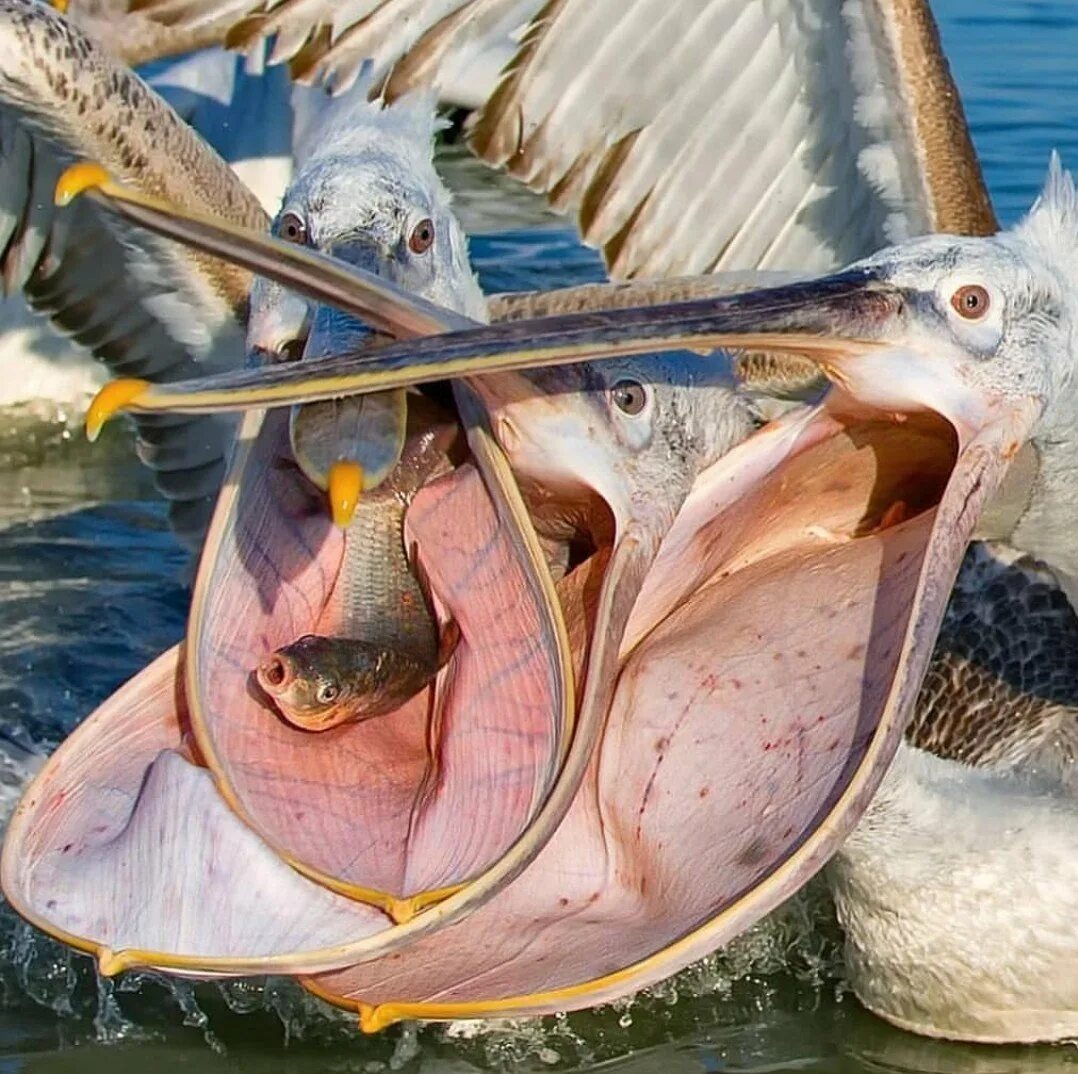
x=367, y=836
x=346, y=447
x=855, y=325
x=388, y=828
x=545, y=426
x=769, y=665
x=772, y=653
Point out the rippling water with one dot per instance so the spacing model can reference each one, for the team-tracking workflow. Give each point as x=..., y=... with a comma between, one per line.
x=92, y=585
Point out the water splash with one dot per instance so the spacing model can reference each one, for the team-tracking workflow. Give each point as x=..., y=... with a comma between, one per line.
x=751, y=976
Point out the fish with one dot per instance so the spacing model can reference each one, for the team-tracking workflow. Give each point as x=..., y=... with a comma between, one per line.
x=386, y=644
x=318, y=683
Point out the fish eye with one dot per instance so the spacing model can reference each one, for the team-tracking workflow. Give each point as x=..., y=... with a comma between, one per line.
x=328, y=692
x=971, y=301
x=422, y=236
x=292, y=228
x=629, y=396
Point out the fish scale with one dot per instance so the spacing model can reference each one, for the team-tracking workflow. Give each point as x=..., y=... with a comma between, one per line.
x=381, y=600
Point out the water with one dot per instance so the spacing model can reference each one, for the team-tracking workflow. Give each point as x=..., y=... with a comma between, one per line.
x=92, y=585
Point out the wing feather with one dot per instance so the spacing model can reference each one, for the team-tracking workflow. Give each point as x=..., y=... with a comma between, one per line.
x=737, y=133
x=688, y=134
x=457, y=45
x=144, y=306
x=1002, y=688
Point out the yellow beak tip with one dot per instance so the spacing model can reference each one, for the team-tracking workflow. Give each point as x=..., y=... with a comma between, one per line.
x=113, y=396
x=60, y=5
x=110, y=963
x=373, y=1019
x=79, y=177
x=345, y=486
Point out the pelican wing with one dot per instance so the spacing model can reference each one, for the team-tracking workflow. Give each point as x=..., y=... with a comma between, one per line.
x=714, y=134
x=136, y=39
x=329, y=40
x=687, y=136
x=144, y=306
x=1002, y=688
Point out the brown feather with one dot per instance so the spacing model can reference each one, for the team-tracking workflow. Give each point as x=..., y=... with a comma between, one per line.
x=1002, y=688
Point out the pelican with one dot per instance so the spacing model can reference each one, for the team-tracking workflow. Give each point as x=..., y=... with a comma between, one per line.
x=53, y=373
x=368, y=895
x=978, y=331
x=869, y=151
x=138, y=306
x=894, y=203
x=142, y=307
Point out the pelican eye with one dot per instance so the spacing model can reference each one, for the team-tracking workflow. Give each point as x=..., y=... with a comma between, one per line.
x=971, y=302
x=629, y=396
x=328, y=692
x=292, y=228
x=422, y=236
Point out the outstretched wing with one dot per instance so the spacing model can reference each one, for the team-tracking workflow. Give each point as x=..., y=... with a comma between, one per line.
x=459, y=45
x=721, y=134
x=146, y=307
x=687, y=135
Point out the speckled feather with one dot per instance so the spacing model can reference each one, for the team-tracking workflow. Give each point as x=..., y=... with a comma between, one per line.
x=144, y=306
x=1002, y=689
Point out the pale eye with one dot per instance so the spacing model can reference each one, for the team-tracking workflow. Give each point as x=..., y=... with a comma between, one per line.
x=328, y=692
x=422, y=237
x=971, y=302
x=292, y=228
x=629, y=396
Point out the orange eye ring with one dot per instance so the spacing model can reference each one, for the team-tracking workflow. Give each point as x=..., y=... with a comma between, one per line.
x=971, y=302
x=422, y=236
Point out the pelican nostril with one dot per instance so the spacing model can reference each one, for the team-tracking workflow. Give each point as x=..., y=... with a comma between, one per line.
x=273, y=672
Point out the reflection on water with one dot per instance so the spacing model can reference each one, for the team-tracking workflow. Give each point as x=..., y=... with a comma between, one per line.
x=92, y=585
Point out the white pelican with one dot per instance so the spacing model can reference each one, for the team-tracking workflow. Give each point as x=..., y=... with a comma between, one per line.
x=870, y=147
x=983, y=332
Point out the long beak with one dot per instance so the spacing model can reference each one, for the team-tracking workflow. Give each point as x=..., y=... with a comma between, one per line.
x=826, y=320
x=696, y=325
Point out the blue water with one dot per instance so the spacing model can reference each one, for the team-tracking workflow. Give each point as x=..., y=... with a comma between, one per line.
x=92, y=585
x=1015, y=64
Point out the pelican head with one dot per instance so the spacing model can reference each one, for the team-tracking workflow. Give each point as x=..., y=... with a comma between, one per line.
x=633, y=431
x=366, y=192
x=956, y=325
